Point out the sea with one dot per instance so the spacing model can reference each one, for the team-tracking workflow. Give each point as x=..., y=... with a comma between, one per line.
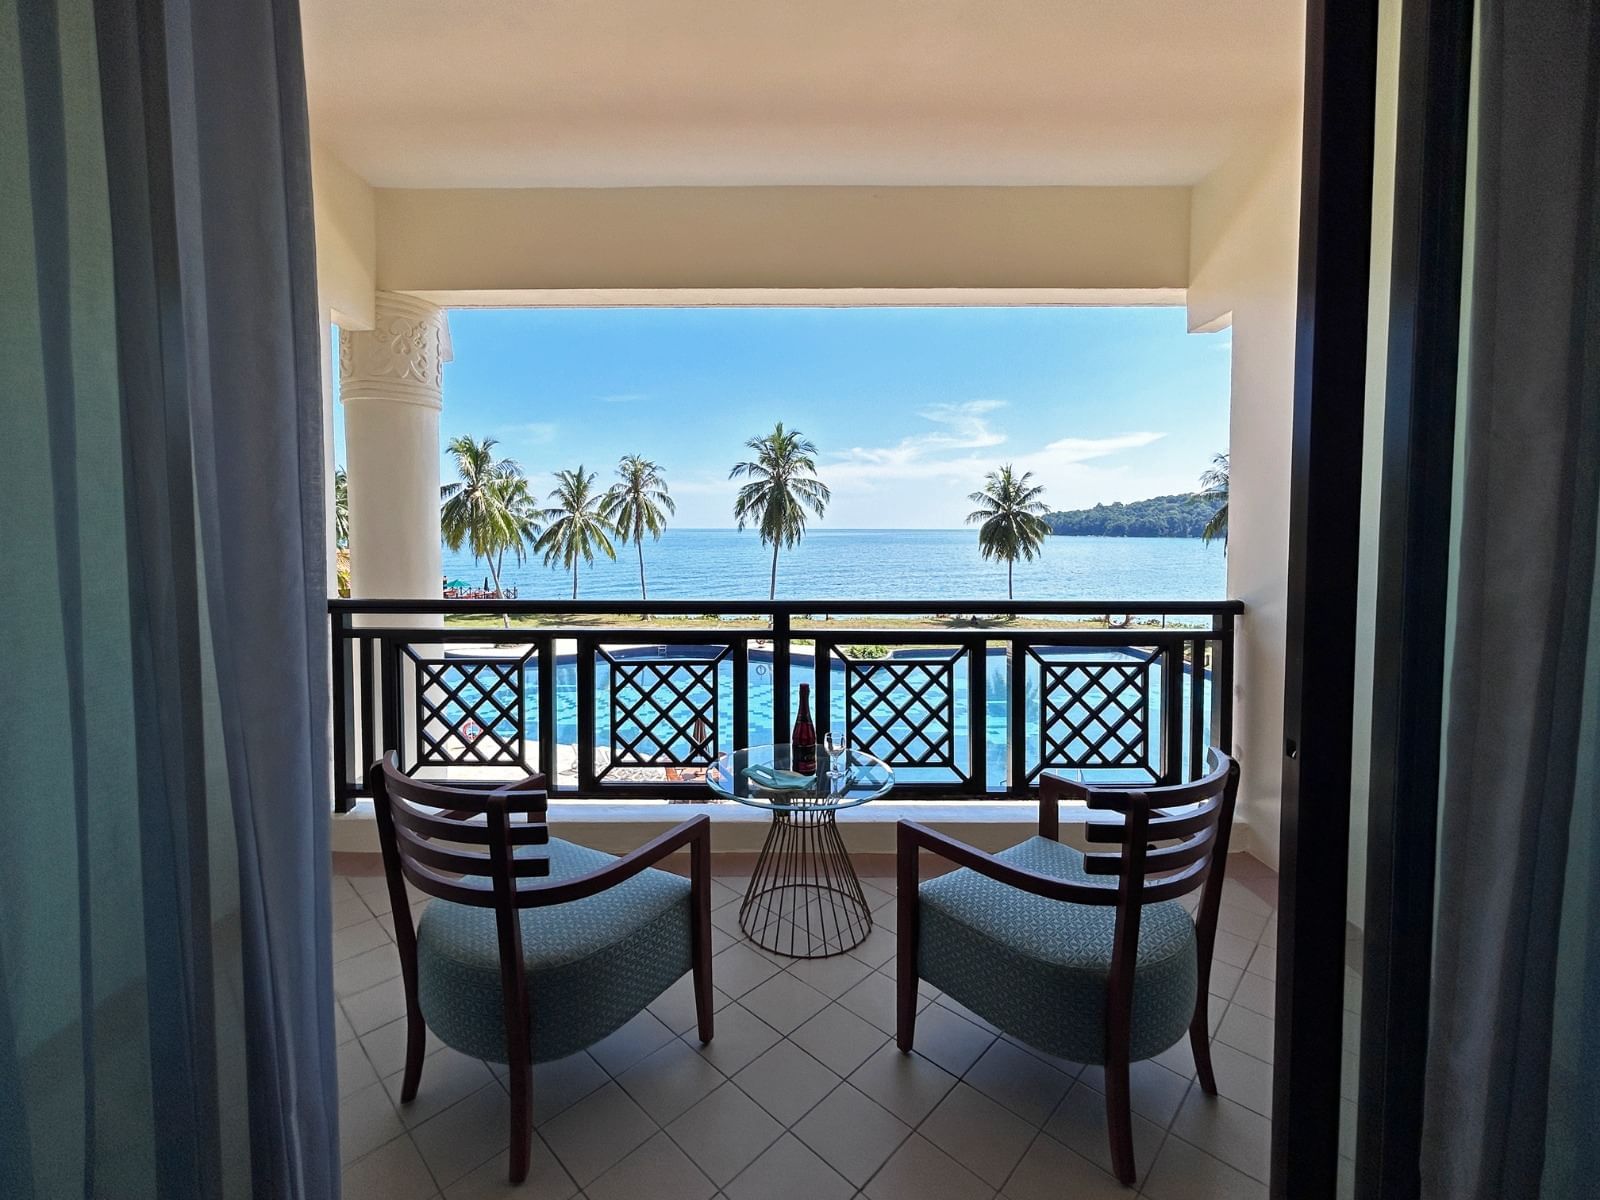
x=873, y=564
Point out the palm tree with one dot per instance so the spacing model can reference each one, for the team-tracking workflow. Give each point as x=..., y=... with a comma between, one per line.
x=637, y=504
x=575, y=526
x=341, y=508
x=489, y=509
x=1214, y=486
x=519, y=520
x=783, y=484
x=1010, y=519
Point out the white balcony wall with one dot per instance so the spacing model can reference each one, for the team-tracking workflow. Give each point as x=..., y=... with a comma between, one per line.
x=1244, y=254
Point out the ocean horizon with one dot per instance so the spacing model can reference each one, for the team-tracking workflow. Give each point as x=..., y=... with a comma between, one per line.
x=873, y=564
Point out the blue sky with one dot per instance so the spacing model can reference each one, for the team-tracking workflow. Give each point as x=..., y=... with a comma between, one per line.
x=908, y=407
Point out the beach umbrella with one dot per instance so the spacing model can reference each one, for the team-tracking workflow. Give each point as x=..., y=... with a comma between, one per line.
x=457, y=583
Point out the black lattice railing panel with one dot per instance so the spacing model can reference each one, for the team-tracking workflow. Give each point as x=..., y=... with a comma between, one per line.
x=471, y=712
x=1095, y=714
x=903, y=710
x=663, y=711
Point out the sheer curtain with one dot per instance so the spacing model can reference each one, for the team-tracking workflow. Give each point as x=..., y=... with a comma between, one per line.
x=1511, y=1101
x=165, y=977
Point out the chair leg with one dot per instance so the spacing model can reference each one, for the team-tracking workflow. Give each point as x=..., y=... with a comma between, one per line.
x=905, y=1024
x=416, y=1050
x=1119, y=1121
x=906, y=937
x=521, y=1082
x=702, y=988
x=700, y=898
x=1200, y=1043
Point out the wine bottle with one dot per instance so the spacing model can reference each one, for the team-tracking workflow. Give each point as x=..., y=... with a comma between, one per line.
x=803, y=741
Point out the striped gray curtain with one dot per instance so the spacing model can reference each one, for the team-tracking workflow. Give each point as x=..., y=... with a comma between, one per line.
x=165, y=977
x=1512, y=1105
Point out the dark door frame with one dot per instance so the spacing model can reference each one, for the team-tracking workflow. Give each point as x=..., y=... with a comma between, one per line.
x=1324, y=550
x=1413, y=571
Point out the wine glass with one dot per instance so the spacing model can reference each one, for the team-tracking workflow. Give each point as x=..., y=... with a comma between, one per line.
x=837, y=746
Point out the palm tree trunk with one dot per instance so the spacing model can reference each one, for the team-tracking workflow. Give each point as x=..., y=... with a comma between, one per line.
x=494, y=573
x=1011, y=591
x=574, y=579
x=643, y=595
x=772, y=589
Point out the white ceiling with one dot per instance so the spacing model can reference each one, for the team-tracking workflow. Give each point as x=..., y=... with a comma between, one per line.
x=597, y=93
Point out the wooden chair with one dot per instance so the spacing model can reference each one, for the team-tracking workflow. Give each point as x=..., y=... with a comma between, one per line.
x=532, y=948
x=1087, y=957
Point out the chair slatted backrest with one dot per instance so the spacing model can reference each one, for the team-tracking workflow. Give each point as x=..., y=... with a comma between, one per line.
x=467, y=845
x=457, y=843
x=1171, y=841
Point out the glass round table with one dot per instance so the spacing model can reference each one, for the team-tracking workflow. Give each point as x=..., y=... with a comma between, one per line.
x=804, y=899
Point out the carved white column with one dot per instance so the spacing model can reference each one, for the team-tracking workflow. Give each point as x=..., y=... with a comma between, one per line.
x=391, y=383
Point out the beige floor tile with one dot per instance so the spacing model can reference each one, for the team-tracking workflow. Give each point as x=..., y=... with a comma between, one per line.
x=447, y=1076
x=741, y=967
x=670, y=1081
x=465, y=1135
x=1264, y=962
x=386, y=1045
x=832, y=976
x=953, y=1042
x=1080, y=1125
x=546, y=1180
x=852, y=1133
x=741, y=1037
x=724, y=1133
x=367, y=1120
x=873, y=999
x=598, y=1132
x=355, y=1070
x=1026, y=1085
x=1242, y=1078
x=1247, y=1031
x=788, y=1170
x=919, y=1170
x=392, y=1172
x=675, y=1007
x=560, y=1084
x=986, y=1138
x=1184, y=1172
x=1155, y=1092
x=786, y=1081
x=376, y=1006
x=784, y=1002
x=368, y=969
x=1227, y=1131
x=658, y=1170
x=1049, y=1171
x=908, y=1085
x=642, y=1035
x=1256, y=993
x=359, y=938
x=1232, y=949
x=838, y=1038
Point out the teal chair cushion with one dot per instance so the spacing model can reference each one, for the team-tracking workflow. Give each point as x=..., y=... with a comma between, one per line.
x=1038, y=969
x=591, y=964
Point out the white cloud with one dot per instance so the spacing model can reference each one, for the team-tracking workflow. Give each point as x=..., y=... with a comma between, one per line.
x=529, y=433
x=623, y=398
x=950, y=451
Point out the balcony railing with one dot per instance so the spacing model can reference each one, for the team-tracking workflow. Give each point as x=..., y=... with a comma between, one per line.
x=964, y=699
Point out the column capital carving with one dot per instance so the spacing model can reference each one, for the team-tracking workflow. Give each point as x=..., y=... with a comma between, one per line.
x=401, y=358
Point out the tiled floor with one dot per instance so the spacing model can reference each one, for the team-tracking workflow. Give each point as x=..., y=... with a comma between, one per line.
x=802, y=1093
